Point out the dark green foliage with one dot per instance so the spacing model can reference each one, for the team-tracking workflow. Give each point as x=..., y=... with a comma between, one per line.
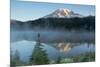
x=58, y=60
x=15, y=59
x=85, y=23
x=87, y=57
x=39, y=56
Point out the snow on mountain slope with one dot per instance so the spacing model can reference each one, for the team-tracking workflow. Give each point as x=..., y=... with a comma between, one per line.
x=63, y=13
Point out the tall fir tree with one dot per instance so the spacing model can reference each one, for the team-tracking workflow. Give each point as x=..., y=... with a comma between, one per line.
x=39, y=55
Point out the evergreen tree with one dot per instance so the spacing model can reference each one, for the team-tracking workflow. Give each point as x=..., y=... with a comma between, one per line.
x=15, y=59
x=58, y=60
x=39, y=56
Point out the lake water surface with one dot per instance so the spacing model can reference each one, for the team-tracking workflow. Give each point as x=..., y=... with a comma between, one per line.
x=55, y=43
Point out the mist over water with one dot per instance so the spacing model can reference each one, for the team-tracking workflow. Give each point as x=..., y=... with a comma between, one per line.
x=51, y=36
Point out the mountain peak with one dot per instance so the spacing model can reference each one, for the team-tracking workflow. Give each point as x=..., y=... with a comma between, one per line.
x=63, y=13
x=63, y=9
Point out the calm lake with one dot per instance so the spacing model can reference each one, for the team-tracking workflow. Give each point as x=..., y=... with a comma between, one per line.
x=64, y=44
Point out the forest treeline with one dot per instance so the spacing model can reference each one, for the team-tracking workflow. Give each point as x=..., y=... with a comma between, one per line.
x=76, y=23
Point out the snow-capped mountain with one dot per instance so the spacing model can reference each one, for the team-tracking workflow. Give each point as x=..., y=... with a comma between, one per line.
x=63, y=13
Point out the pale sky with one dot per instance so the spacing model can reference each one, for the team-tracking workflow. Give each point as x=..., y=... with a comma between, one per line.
x=23, y=10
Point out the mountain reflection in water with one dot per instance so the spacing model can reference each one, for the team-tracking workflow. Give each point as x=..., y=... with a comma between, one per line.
x=66, y=47
x=54, y=50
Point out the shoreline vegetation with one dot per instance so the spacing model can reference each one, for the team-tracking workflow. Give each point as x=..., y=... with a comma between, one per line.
x=86, y=57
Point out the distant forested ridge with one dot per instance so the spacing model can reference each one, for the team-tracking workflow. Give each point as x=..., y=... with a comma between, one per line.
x=76, y=23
